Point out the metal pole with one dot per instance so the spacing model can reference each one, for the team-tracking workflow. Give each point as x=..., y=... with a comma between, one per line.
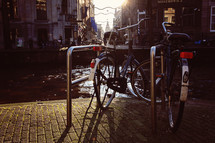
x=69, y=78
x=153, y=96
x=162, y=81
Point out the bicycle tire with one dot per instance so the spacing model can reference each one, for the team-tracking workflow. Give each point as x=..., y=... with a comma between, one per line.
x=141, y=83
x=176, y=90
x=104, y=94
x=129, y=72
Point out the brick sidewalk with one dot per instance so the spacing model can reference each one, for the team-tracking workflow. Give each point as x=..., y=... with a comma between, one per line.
x=128, y=120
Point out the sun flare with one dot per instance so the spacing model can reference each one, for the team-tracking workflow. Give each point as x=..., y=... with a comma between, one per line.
x=103, y=14
x=110, y=3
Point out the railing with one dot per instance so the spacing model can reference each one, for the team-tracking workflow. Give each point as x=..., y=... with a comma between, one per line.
x=152, y=78
x=69, y=77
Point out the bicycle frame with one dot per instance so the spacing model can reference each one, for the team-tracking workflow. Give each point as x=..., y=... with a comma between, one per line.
x=128, y=61
x=130, y=57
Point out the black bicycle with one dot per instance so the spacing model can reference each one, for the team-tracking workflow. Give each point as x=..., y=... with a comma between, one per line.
x=171, y=75
x=111, y=76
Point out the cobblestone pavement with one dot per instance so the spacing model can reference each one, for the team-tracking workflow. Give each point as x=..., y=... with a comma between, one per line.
x=127, y=120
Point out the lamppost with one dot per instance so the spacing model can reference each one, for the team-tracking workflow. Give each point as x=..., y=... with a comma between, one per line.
x=150, y=23
x=5, y=24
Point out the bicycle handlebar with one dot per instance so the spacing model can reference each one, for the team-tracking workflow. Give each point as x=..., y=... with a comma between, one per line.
x=164, y=26
x=134, y=25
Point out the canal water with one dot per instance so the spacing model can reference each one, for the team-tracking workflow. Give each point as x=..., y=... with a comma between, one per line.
x=48, y=82
x=42, y=83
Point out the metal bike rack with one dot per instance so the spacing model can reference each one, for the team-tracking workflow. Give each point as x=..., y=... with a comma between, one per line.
x=153, y=96
x=69, y=78
x=70, y=82
x=153, y=84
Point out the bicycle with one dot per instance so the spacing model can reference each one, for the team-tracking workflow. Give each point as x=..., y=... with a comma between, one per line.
x=171, y=75
x=109, y=78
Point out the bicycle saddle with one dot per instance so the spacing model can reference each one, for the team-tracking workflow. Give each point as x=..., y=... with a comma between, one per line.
x=183, y=37
x=114, y=35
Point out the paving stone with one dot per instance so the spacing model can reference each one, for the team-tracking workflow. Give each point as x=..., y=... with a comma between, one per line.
x=128, y=121
x=73, y=136
x=25, y=136
x=41, y=139
x=1, y=139
x=33, y=134
x=16, y=138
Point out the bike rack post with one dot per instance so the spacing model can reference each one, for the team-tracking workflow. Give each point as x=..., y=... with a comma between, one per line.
x=163, y=103
x=153, y=96
x=69, y=78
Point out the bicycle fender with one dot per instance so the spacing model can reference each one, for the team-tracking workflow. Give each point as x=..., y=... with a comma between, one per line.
x=93, y=70
x=185, y=80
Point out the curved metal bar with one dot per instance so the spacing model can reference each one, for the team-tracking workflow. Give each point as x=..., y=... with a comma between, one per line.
x=105, y=8
x=153, y=97
x=69, y=78
x=104, y=13
x=134, y=25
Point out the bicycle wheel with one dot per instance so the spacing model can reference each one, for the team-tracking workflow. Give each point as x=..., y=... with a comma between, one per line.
x=129, y=71
x=177, y=93
x=140, y=80
x=141, y=83
x=105, y=71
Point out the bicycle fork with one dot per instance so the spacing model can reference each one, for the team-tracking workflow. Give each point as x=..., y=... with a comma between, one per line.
x=185, y=80
x=185, y=74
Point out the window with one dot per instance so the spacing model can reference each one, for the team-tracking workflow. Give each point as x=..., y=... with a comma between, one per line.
x=169, y=15
x=212, y=21
x=64, y=6
x=13, y=9
x=41, y=9
x=165, y=19
x=68, y=35
x=42, y=37
x=188, y=16
x=14, y=34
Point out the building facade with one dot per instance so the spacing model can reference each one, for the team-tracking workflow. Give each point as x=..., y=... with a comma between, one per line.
x=100, y=33
x=87, y=28
x=38, y=23
x=195, y=17
x=1, y=27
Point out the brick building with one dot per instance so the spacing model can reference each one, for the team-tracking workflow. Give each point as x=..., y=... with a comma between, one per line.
x=191, y=16
x=195, y=17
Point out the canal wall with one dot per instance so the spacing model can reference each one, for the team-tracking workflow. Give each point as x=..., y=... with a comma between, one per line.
x=37, y=57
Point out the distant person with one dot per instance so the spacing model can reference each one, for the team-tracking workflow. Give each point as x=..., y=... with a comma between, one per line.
x=79, y=40
x=30, y=43
x=60, y=41
x=105, y=41
x=73, y=43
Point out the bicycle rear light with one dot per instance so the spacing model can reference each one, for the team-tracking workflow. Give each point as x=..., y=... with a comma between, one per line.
x=92, y=64
x=97, y=48
x=186, y=55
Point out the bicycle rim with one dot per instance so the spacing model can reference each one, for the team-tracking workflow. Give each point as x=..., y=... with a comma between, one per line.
x=104, y=94
x=175, y=106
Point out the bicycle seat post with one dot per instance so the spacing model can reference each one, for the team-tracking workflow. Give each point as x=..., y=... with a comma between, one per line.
x=130, y=50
